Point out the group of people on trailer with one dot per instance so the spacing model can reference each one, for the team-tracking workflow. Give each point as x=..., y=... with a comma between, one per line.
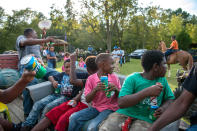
x=80, y=99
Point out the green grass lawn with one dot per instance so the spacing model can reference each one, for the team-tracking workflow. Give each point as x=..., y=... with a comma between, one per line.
x=135, y=66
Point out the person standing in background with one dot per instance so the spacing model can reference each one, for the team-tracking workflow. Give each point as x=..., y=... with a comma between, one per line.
x=45, y=51
x=51, y=58
x=121, y=55
x=116, y=57
x=81, y=62
x=66, y=56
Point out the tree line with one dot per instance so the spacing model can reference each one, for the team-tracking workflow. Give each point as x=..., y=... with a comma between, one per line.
x=103, y=24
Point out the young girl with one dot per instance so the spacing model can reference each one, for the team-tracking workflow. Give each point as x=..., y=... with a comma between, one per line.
x=81, y=62
x=94, y=93
x=66, y=57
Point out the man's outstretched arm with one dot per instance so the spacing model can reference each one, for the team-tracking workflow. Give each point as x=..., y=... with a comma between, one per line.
x=31, y=41
x=175, y=111
x=11, y=93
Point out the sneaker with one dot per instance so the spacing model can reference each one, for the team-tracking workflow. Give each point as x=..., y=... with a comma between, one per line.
x=25, y=116
x=16, y=127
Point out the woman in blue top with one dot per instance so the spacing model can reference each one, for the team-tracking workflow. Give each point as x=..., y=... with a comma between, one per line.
x=51, y=58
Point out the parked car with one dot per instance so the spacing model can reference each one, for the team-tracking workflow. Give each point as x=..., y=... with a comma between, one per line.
x=137, y=54
x=10, y=52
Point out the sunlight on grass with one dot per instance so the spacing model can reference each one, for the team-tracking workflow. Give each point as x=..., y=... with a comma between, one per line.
x=59, y=66
x=59, y=69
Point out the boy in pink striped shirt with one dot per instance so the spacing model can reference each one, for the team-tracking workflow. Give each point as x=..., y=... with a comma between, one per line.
x=102, y=106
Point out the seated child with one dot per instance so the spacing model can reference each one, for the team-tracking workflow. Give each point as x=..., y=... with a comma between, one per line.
x=102, y=106
x=143, y=97
x=59, y=116
x=66, y=92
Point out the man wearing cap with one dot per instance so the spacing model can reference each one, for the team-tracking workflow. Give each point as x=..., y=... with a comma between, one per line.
x=116, y=56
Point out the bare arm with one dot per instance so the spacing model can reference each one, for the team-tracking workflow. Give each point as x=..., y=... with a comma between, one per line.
x=11, y=93
x=175, y=111
x=133, y=99
x=161, y=109
x=78, y=96
x=54, y=83
x=31, y=41
x=166, y=104
x=49, y=57
x=91, y=95
x=73, y=78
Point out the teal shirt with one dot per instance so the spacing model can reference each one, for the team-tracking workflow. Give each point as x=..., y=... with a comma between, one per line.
x=135, y=83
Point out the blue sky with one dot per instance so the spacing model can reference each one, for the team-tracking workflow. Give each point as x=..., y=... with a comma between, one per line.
x=187, y=5
x=44, y=5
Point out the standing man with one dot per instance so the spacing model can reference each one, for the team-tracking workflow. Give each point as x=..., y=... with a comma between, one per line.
x=121, y=55
x=29, y=44
x=116, y=57
x=173, y=47
x=90, y=48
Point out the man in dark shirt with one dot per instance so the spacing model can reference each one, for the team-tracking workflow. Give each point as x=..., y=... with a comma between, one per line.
x=51, y=58
x=181, y=105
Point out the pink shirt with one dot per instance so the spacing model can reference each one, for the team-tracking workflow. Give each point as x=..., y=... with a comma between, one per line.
x=100, y=101
x=66, y=58
x=81, y=64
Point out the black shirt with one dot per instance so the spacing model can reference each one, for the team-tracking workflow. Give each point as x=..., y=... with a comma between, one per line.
x=76, y=89
x=190, y=83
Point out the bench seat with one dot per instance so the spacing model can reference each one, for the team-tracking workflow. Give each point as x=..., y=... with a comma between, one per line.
x=9, y=61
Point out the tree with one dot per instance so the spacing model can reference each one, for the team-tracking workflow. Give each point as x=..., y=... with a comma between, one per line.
x=191, y=29
x=14, y=26
x=111, y=13
x=185, y=16
x=175, y=26
x=184, y=40
x=2, y=17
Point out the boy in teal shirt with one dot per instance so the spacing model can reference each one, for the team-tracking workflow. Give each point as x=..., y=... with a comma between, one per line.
x=137, y=93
